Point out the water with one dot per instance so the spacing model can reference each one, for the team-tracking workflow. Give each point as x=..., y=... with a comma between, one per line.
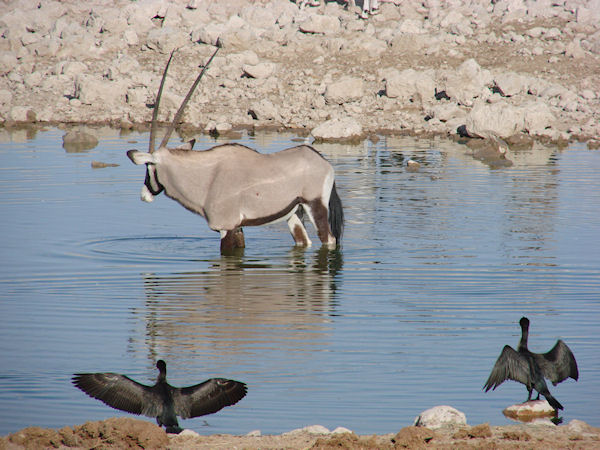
x=436, y=269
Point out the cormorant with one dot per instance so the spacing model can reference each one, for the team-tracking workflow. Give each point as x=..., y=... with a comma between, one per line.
x=531, y=368
x=162, y=401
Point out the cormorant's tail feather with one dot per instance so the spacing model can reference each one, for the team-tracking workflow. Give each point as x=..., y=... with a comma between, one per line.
x=553, y=402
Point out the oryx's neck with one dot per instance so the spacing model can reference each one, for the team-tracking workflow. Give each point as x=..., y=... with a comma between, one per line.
x=186, y=175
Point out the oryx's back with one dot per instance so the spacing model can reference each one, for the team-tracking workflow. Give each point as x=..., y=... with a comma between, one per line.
x=231, y=183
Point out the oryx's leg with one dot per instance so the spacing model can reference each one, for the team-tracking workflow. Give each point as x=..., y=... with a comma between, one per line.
x=298, y=231
x=318, y=214
x=231, y=239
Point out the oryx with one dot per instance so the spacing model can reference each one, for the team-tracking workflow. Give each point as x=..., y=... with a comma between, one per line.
x=233, y=186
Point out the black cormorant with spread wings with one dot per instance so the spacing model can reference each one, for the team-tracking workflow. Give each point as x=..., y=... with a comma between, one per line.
x=162, y=401
x=531, y=369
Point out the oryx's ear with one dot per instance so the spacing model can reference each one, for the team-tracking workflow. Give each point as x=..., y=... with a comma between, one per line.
x=187, y=146
x=138, y=157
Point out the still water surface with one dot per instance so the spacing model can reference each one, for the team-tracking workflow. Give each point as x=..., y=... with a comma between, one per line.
x=437, y=266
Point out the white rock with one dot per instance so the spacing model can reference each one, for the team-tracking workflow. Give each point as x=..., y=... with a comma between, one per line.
x=530, y=408
x=261, y=70
x=265, y=110
x=131, y=37
x=588, y=94
x=590, y=13
x=574, y=50
x=538, y=117
x=411, y=26
x=346, y=89
x=320, y=24
x=208, y=34
x=511, y=83
x=341, y=430
x=311, y=429
x=166, y=39
x=578, y=426
x=5, y=96
x=467, y=83
x=187, y=432
x=8, y=61
x=446, y=111
x=91, y=90
x=254, y=433
x=440, y=416
x=408, y=85
x=500, y=119
x=338, y=129
x=71, y=68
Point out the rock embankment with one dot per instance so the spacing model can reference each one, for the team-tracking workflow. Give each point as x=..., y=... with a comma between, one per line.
x=495, y=68
x=127, y=432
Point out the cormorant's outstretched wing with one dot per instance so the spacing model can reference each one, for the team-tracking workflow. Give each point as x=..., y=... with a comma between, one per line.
x=208, y=397
x=510, y=365
x=120, y=392
x=558, y=364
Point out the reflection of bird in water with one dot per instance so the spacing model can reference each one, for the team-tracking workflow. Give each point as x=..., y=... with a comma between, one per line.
x=531, y=368
x=162, y=400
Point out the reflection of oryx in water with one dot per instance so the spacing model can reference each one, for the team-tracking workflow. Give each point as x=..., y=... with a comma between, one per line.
x=232, y=186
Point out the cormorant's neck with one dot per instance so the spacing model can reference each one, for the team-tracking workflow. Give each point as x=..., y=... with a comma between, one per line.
x=523, y=341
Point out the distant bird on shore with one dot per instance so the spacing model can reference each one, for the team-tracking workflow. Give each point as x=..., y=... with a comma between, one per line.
x=162, y=401
x=531, y=368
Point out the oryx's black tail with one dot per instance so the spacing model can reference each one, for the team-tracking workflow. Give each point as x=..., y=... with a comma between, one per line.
x=336, y=215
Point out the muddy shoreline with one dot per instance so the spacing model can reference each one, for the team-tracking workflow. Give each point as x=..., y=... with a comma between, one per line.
x=490, y=69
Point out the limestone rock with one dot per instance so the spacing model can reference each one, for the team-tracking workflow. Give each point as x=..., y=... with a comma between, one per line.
x=530, y=409
x=500, y=119
x=261, y=70
x=347, y=89
x=338, y=130
x=320, y=24
x=440, y=416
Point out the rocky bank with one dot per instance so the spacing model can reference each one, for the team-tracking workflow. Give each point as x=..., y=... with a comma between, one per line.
x=486, y=68
x=124, y=433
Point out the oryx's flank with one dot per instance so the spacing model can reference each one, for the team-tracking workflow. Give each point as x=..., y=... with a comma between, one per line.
x=233, y=186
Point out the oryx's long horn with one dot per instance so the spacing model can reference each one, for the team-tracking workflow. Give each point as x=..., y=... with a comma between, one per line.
x=156, y=103
x=185, y=101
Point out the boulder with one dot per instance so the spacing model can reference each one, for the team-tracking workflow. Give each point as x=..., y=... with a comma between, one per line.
x=346, y=89
x=338, y=130
x=440, y=416
x=500, y=119
x=529, y=410
x=468, y=82
x=510, y=83
x=264, y=110
x=537, y=118
x=79, y=141
x=320, y=24
x=261, y=70
x=165, y=40
x=409, y=85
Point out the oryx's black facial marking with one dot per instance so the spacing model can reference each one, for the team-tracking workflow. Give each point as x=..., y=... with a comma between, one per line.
x=151, y=182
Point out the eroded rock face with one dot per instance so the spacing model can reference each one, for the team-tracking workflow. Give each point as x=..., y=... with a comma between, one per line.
x=503, y=68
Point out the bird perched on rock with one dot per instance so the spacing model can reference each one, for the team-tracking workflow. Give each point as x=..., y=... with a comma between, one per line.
x=162, y=401
x=531, y=369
